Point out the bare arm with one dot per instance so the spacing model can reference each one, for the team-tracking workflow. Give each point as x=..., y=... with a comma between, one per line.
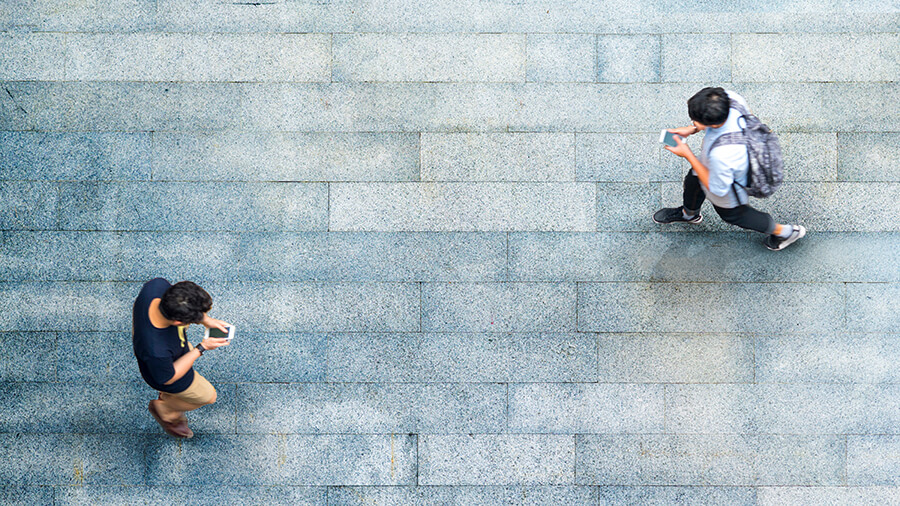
x=684, y=151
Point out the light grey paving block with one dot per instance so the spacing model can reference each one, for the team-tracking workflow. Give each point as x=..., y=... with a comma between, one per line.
x=96, y=357
x=868, y=157
x=27, y=205
x=627, y=206
x=729, y=460
x=32, y=56
x=809, y=156
x=840, y=207
x=590, y=408
x=385, y=459
x=658, y=307
x=507, y=307
x=873, y=460
x=461, y=206
x=372, y=256
x=26, y=496
x=28, y=356
x=342, y=408
x=831, y=496
x=76, y=156
x=276, y=156
x=498, y=157
x=869, y=307
x=829, y=358
x=619, y=158
x=505, y=459
x=703, y=58
x=196, y=57
x=66, y=306
x=675, y=358
x=628, y=58
x=829, y=57
x=192, y=494
x=61, y=15
x=686, y=496
x=463, y=496
x=561, y=57
x=313, y=307
x=451, y=57
x=446, y=357
x=52, y=459
x=267, y=357
x=111, y=459
x=193, y=206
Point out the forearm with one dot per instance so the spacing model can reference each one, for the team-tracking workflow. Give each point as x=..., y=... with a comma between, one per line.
x=183, y=365
x=699, y=169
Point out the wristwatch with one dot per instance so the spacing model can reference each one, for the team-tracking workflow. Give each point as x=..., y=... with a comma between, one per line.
x=200, y=348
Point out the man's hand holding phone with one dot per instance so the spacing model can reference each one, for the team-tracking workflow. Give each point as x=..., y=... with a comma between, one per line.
x=218, y=333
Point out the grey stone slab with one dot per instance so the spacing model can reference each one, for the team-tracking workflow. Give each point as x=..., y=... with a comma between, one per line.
x=192, y=494
x=809, y=156
x=75, y=156
x=620, y=158
x=96, y=357
x=675, y=358
x=729, y=460
x=868, y=157
x=828, y=57
x=342, y=408
x=627, y=206
x=686, y=496
x=628, y=58
x=591, y=408
x=40, y=459
x=193, y=206
x=314, y=307
x=32, y=56
x=26, y=496
x=275, y=156
x=267, y=357
x=506, y=459
x=28, y=356
x=195, y=57
x=286, y=460
x=66, y=306
x=831, y=496
x=869, y=307
x=62, y=15
x=461, y=206
x=111, y=459
x=507, y=307
x=658, y=307
x=702, y=257
x=703, y=58
x=464, y=496
x=451, y=57
x=829, y=358
x=447, y=357
x=498, y=157
x=873, y=460
x=27, y=205
x=559, y=57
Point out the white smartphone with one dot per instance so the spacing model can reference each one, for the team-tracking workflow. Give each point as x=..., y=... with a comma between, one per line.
x=219, y=334
x=668, y=138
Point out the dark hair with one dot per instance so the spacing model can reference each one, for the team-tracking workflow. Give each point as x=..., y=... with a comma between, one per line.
x=709, y=106
x=185, y=302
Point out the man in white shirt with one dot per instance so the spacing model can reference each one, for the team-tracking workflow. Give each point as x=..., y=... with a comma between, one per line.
x=713, y=174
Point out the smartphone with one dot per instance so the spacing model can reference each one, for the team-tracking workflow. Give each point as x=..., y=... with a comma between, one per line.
x=668, y=138
x=219, y=334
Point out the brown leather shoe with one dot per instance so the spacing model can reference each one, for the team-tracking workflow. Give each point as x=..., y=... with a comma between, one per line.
x=177, y=429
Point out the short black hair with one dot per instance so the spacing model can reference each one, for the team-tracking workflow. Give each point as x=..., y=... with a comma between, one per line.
x=709, y=106
x=185, y=302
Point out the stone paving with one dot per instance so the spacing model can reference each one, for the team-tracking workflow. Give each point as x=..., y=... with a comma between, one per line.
x=429, y=221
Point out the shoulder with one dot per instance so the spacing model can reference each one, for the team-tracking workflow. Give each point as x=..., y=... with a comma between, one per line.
x=155, y=287
x=729, y=154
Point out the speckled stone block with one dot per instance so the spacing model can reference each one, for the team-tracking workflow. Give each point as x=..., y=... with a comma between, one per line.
x=32, y=56
x=276, y=156
x=28, y=356
x=628, y=58
x=620, y=158
x=873, y=460
x=485, y=459
x=556, y=57
x=871, y=307
x=498, y=157
x=868, y=157
x=196, y=57
x=339, y=408
x=511, y=307
x=809, y=156
x=28, y=205
x=627, y=206
x=464, y=496
x=53, y=459
x=192, y=494
x=111, y=459
x=853, y=57
x=830, y=358
x=26, y=496
x=452, y=57
x=62, y=15
x=585, y=408
x=96, y=357
x=865, y=495
x=643, y=307
x=698, y=58
x=382, y=459
x=692, y=496
x=66, y=306
x=465, y=357
x=255, y=356
x=193, y=206
x=461, y=206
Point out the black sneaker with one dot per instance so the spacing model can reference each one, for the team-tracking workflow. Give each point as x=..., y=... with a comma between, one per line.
x=775, y=243
x=674, y=215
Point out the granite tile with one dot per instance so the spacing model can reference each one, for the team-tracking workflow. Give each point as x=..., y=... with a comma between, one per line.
x=628, y=58
x=267, y=357
x=868, y=157
x=619, y=158
x=682, y=496
x=28, y=205
x=26, y=496
x=873, y=460
x=863, y=496
x=28, y=356
x=872, y=309
x=828, y=358
x=192, y=494
x=53, y=459
x=66, y=306
x=62, y=15
x=32, y=56
x=708, y=59
x=96, y=357
x=627, y=206
x=464, y=496
x=561, y=57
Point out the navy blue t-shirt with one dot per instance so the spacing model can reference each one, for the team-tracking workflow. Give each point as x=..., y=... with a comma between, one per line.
x=157, y=349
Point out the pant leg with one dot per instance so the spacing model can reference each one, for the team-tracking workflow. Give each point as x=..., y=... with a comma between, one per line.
x=748, y=218
x=693, y=192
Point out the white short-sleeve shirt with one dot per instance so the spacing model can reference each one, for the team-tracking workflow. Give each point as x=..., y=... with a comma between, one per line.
x=726, y=163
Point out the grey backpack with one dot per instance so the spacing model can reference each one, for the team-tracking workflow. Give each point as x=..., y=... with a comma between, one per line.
x=763, y=151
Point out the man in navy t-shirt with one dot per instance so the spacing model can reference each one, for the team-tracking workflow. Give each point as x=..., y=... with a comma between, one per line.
x=162, y=312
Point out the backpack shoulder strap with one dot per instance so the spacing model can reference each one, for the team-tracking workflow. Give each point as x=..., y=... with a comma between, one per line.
x=729, y=138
